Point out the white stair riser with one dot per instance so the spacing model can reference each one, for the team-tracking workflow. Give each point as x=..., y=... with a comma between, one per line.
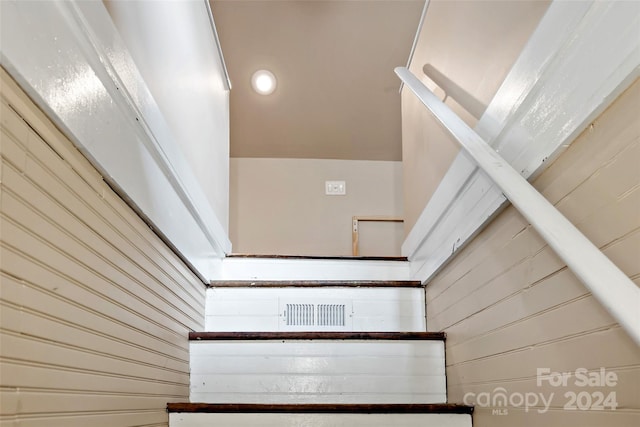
x=368, y=309
x=312, y=269
x=318, y=371
x=319, y=420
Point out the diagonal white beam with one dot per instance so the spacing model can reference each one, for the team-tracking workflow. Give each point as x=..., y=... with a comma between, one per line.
x=615, y=291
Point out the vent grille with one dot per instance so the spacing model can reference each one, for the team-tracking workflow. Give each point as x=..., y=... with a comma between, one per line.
x=300, y=314
x=317, y=316
x=331, y=315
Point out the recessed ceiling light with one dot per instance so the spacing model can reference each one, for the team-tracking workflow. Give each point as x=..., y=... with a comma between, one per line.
x=263, y=82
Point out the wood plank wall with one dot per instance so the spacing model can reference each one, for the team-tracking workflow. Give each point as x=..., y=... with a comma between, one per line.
x=95, y=309
x=318, y=371
x=509, y=306
x=367, y=309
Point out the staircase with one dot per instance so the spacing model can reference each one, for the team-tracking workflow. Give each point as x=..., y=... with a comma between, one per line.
x=282, y=349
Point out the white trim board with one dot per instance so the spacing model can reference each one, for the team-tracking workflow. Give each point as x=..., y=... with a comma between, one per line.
x=69, y=58
x=583, y=53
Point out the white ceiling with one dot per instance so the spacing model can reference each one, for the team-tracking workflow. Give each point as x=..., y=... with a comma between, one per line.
x=337, y=95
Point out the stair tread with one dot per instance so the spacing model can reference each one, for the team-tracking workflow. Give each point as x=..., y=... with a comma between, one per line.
x=224, y=336
x=315, y=283
x=361, y=408
x=323, y=257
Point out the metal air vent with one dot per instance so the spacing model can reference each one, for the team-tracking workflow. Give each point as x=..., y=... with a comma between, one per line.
x=330, y=315
x=316, y=316
x=299, y=314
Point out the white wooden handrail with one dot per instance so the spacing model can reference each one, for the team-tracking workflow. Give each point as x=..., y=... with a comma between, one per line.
x=423, y=16
x=609, y=285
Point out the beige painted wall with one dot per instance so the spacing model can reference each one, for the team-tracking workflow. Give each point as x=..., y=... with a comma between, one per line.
x=95, y=309
x=474, y=44
x=510, y=306
x=278, y=206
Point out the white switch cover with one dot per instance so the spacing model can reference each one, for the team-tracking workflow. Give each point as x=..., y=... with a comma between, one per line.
x=335, y=188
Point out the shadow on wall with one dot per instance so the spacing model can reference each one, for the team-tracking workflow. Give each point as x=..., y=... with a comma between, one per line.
x=455, y=92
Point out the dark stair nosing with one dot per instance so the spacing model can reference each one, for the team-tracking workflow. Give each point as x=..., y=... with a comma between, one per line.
x=226, y=336
x=315, y=283
x=323, y=408
x=322, y=257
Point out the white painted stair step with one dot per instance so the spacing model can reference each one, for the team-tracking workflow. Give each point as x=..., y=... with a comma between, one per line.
x=311, y=268
x=318, y=420
x=294, y=371
x=257, y=308
x=319, y=415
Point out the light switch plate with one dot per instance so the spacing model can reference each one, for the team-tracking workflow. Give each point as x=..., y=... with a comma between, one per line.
x=335, y=188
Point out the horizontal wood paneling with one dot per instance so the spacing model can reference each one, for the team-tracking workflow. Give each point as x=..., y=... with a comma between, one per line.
x=519, y=417
x=510, y=306
x=318, y=371
x=379, y=348
x=260, y=309
x=75, y=65
x=626, y=388
x=95, y=309
x=242, y=365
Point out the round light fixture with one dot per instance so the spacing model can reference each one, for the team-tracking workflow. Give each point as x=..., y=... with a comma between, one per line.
x=263, y=82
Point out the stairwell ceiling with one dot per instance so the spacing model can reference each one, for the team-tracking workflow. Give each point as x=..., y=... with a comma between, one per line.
x=337, y=94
